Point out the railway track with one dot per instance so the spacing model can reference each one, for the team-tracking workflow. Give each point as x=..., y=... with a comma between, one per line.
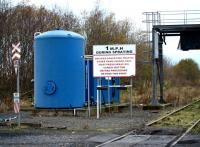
x=174, y=112
x=179, y=137
x=189, y=109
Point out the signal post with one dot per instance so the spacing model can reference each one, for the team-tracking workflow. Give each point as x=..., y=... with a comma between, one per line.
x=16, y=55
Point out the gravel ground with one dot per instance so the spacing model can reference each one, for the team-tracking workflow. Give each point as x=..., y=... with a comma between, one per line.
x=108, y=121
x=71, y=130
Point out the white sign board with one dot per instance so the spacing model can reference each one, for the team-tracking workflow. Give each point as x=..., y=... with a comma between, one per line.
x=114, y=60
x=16, y=97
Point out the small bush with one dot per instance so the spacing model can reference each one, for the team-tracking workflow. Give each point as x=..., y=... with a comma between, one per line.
x=6, y=105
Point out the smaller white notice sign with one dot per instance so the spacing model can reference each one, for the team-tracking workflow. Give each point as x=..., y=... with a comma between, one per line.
x=114, y=60
x=16, y=97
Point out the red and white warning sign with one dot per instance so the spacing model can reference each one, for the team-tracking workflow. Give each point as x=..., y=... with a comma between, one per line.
x=16, y=107
x=16, y=55
x=16, y=51
x=16, y=102
x=114, y=60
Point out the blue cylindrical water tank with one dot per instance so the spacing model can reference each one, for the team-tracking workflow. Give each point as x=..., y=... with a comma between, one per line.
x=59, y=70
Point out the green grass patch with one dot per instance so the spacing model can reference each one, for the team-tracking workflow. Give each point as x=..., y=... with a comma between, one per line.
x=181, y=119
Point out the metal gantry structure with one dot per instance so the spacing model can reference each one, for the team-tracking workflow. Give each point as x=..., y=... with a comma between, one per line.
x=159, y=25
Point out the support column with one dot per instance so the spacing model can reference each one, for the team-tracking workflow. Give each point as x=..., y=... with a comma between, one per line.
x=154, y=100
x=161, y=78
x=18, y=91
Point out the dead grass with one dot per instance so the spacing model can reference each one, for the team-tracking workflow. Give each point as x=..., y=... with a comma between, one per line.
x=26, y=102
x=6, y=105
x=177, y=96
x=182, y=119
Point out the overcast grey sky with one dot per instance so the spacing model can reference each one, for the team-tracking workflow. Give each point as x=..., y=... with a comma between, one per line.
x=132, y=9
